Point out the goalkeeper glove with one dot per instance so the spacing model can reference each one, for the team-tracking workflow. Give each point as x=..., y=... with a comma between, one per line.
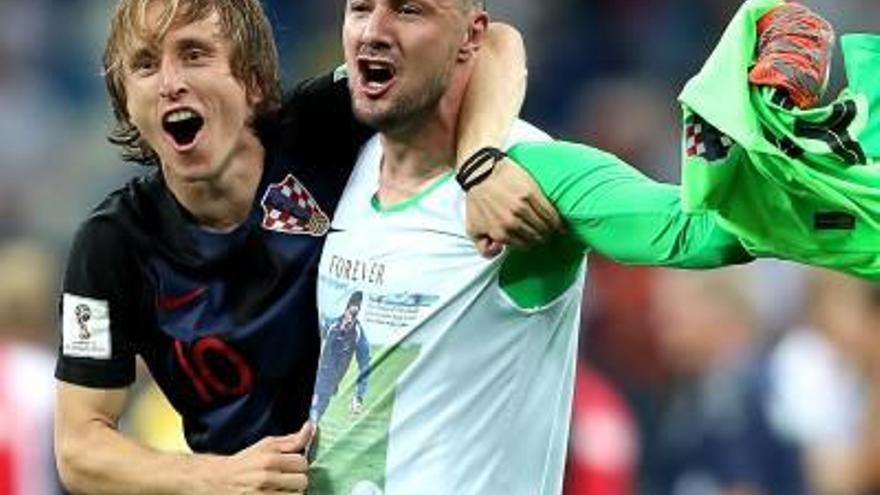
x=794, y=53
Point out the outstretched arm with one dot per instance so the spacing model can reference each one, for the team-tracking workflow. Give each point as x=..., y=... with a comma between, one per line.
x=504, y=209
x=612, y=208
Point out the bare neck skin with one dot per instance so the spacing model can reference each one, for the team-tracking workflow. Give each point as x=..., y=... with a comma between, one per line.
x=222, y=202
x=423, y=149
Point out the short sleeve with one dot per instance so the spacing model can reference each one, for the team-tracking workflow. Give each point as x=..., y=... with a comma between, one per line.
x=98, y=309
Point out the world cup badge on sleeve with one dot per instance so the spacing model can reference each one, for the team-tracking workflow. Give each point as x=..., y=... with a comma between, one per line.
x=85, y=324
x=289, y=208
x=83, y=314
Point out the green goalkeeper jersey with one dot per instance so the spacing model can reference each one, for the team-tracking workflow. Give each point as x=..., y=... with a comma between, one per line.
x=796, y=184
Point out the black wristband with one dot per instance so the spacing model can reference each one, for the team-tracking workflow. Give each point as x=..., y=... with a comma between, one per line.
x=475, y=169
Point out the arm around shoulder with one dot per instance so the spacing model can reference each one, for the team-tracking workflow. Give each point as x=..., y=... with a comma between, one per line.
x=495, y=93
x=508, y=208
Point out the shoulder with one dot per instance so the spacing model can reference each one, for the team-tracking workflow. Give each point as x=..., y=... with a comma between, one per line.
x=532, y=149
x=335, y=81
x=122, y=225
x=528, y=142
x=321, y=98
x=100, y=258
x=554, y=164
x=98, y=237
x=134, y=199
x=317, y=126
x=129, y=209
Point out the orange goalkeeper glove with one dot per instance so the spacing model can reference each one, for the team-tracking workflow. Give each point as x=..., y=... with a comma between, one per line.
x=794, y=52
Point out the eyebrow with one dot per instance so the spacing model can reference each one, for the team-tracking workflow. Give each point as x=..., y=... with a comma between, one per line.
x=200, y=43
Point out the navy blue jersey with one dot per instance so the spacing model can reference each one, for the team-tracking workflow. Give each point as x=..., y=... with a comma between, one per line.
x=227, y=323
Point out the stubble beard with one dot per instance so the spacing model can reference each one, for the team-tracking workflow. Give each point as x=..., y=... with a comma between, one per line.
x=408, y=110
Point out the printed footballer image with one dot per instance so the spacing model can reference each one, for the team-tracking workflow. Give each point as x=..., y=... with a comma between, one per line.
x=343, y=338
x=353, y=403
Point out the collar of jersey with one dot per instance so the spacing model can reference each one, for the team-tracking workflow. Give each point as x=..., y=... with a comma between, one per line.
x=413, y=200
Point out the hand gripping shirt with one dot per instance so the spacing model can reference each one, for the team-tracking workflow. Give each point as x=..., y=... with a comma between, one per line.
x=468, y=382
x=796, y=184
x=226, y=323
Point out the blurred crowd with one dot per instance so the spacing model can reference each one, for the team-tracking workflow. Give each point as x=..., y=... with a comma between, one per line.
x=759, y=380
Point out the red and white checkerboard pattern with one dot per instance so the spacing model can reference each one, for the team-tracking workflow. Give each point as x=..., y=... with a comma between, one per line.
x=283, y=221
x=694, y=133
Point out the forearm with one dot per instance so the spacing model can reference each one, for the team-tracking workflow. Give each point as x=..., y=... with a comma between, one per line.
x=495, y=93
x=610, y=207
x=650, y=229
x=97, y=459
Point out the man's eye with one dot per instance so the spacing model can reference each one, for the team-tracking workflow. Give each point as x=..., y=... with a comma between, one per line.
x=193, y=55
x=410, y=8
x=359, y=7
x=143, y=66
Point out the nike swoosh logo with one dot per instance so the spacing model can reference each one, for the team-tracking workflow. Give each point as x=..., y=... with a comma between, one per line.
x=173, y=303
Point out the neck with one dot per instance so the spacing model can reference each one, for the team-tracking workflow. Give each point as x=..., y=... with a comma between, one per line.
x=222, y=201
x=417, y=153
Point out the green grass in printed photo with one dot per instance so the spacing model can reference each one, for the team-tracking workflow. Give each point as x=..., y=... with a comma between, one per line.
x=351, y=448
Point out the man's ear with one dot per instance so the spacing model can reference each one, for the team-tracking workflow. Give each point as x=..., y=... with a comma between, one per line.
x=478, y=24
x=254, y=93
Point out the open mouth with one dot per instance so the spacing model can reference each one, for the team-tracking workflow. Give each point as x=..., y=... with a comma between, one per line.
x=183, y=126
x=376, y=75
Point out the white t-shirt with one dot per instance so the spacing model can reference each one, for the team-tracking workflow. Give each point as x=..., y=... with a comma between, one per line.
x=432, y=380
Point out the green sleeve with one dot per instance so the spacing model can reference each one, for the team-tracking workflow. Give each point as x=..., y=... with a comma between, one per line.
x=615, y=210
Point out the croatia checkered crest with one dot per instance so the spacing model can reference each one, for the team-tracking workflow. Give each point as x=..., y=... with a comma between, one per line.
x=703, y=140
x=289, y=208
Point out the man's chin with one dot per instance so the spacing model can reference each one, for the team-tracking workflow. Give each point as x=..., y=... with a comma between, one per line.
x=397, y=114
x=379, y=120
x=189, y=169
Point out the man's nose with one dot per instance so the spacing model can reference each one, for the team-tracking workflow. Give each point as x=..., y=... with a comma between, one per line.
x=173, y=80
x=377, y=28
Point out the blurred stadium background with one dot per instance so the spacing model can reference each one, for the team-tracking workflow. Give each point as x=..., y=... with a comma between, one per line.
x=757, y=380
